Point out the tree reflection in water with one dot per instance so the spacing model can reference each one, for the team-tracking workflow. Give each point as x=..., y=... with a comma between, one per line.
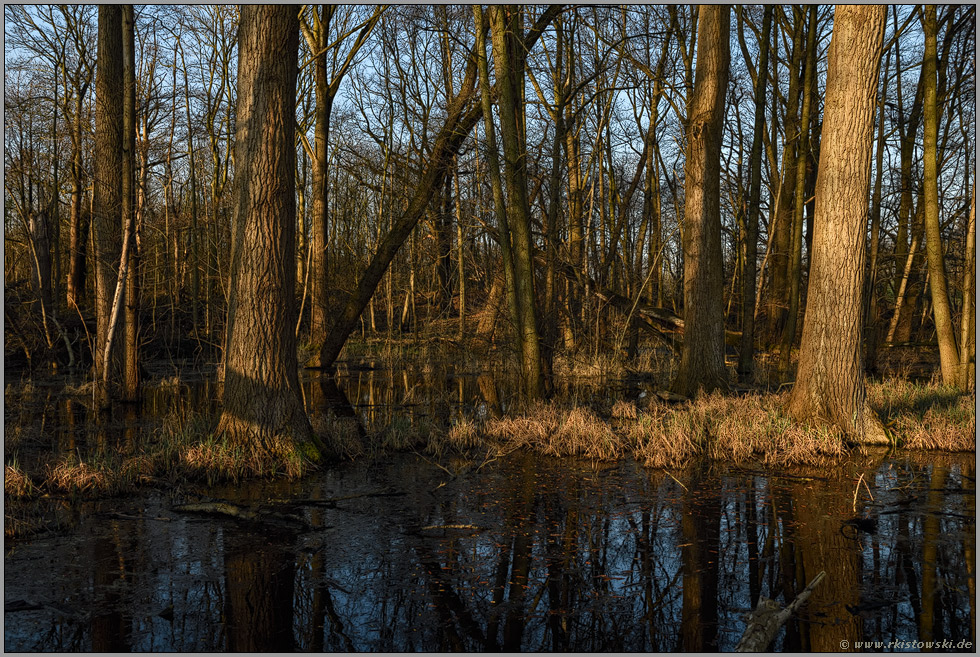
x=526, y=554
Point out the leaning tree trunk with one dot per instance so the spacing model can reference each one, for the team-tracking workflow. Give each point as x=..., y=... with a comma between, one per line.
x=830, y=379
x=703, y=355
x=263, y=411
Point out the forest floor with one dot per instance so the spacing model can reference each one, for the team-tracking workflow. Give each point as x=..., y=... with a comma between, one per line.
x=58, y=450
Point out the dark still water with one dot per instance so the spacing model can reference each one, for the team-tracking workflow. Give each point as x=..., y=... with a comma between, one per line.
x=524, y=553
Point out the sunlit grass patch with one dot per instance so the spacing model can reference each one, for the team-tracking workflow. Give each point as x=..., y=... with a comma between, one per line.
x=557, y=431
x=661, y=437
x=73, y=475
x=16, y=484
x=926, y=415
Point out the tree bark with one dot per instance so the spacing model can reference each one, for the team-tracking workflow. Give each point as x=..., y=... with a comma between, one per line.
x=107, y=199
x=830, y=379
x=968, y=318
x=795, y=267
x=746, y=356
x=505, y=34
x=263, y=409
x=702, y=364
x=130, y=378
x=942, y=315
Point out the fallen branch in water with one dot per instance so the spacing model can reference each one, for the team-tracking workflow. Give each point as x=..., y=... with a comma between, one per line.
x=469, y=527
x=220, y=508
x=767, y=618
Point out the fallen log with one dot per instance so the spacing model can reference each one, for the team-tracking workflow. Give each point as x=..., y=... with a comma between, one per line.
x=767, y=618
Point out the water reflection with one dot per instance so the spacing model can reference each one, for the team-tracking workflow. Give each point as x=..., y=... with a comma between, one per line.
x=527, y=554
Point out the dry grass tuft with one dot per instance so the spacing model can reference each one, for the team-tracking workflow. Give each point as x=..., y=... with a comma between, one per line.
x=661, y=438
x=71, y=475
x=557, y=431
x=926, y=415
x=16, y=484
x=624, y=410
x=339, y=434
x=463, y=435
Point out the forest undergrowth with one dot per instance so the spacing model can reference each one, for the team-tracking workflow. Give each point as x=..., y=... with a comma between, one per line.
x=747, y=426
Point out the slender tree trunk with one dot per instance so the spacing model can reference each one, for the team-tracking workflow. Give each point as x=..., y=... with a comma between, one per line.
x=131, y=378
x=794, y=272
x=263, y=408
x=106, y=201
x=79, y=218
x=871, y=333
x=782, y=222
x=746, y=356
x=506, y=32
x=321, y=188
x=948, y=357
x=193, y=236
x=702, y=365
x=830, y=379
x=493, y=169
x=968, y=318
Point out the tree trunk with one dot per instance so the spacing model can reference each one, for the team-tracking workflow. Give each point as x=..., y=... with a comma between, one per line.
x=830, y=379
x=871, y=333
x=948, y=357
x=703, y=355
x=319, y=303
x=795, y=269
x=746, y=356
x=263, y=409
x=781, y=227
x=131, y=378
x=968, y=319
x=506, y=33
x=78, y=219
x=460, y=119
x=107, y=199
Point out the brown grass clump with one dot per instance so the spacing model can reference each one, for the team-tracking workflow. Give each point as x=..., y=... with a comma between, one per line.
x=339, y=435
x=16, y=484
x=75, y=476
x=662, y=438
x=926, y=415
x=556, y=431
x=624, y=410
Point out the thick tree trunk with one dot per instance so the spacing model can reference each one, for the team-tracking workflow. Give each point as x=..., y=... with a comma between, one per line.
x=263, y=410
x=830, y=379
x=942, y=315
x=702, y=364
x=107, y=198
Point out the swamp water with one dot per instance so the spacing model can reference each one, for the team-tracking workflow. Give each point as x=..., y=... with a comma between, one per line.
x=521, y=553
